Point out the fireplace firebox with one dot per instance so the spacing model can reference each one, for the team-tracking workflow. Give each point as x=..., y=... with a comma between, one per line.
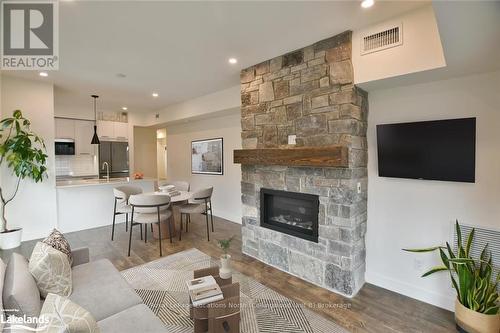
x=292, y=213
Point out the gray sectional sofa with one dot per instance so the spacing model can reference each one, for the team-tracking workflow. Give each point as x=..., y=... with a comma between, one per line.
x=99, y=288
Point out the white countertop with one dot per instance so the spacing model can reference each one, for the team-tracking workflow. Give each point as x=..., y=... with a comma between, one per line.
x=101, y=182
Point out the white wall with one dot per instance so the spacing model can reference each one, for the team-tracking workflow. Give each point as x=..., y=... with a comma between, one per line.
x=134, y=119
x=421, y=49
x=417, y=213
x=227, y=189
x=34, y=208
x=196, y=107
x=1, y=114
x=70, y=104
x=74, y=111
x=145, y=151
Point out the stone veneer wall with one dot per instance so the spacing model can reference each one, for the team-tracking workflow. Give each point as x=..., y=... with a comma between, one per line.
x=309, y=93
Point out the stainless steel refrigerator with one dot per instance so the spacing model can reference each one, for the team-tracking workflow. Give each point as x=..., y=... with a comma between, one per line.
x=116, y=155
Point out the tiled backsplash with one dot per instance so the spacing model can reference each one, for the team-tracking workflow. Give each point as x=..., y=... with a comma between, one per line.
x=76, y=165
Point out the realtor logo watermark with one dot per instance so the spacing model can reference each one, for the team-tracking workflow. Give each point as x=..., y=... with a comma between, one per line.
x=29, y=35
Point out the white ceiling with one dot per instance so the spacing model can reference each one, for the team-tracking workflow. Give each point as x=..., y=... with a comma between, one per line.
x=180, y=49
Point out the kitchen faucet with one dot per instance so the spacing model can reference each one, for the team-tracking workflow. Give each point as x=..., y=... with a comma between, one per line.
x=105, y=164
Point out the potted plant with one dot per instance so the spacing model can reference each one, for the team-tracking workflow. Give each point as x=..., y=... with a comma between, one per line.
x=225, y=270
x=477, y=303
x=24, y=153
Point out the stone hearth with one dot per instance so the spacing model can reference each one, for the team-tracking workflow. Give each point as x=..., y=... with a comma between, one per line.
x=308, y=93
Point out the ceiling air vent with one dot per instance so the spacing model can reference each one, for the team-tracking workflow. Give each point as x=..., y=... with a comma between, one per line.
x=381, y=40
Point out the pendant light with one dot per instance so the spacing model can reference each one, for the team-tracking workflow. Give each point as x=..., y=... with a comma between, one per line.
x=95, y=138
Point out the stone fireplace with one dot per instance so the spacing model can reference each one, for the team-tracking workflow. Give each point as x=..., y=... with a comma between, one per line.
x=308, y=93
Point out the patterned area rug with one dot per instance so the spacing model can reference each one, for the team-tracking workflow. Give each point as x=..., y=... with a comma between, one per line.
x=161, y=285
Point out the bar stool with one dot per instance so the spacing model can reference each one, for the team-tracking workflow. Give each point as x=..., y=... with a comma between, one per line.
x=121, y=206
x=149, y=209
x=201, y=203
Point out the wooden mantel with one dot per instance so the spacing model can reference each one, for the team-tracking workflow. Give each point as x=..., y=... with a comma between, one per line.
x=328, y=156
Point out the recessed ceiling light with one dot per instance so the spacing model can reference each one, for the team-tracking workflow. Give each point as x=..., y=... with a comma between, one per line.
x=124, y=108
x=44, y=74
x=154, y=94
x=367, y=3
x=233, y=61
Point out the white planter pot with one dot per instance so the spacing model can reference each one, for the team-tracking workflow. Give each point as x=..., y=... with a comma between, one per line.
x=11, y=239
x=474, y=322
x=225, y=267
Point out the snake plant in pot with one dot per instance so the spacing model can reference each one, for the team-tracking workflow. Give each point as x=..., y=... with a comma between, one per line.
x=477, y=303
x=23, y=153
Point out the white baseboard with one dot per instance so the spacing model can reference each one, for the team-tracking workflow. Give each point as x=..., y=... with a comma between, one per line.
x=230, y=216
x=431, y=297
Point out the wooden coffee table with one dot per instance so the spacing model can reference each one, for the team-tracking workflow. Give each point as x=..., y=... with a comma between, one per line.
x=220, y=316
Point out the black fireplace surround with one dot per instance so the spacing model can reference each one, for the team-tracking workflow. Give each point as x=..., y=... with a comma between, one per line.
x=292, y=213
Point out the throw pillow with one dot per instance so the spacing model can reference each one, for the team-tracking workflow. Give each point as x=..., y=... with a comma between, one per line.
x=51, y=270
x=60, y=315
x=20, y=293
x=57, y=240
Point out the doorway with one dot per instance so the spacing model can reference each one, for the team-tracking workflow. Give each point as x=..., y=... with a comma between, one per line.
x=161, y=153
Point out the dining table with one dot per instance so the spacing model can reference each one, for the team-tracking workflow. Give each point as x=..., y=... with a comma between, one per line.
x=180, y=198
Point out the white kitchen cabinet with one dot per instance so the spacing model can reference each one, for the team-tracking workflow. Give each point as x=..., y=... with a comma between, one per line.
x=65, y=128
x=79, y=130
x=84, y=130
x=121, y=131
x=112, y=130
x=105, y=129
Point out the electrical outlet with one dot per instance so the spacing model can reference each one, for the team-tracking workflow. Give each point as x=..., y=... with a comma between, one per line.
x=359, y=187
x=292, y=139
x=417, y=264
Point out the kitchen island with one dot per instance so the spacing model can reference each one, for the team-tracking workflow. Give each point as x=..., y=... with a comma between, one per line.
x=88, y=203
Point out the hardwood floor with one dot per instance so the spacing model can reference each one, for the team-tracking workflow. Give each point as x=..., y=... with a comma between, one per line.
x=373, y=309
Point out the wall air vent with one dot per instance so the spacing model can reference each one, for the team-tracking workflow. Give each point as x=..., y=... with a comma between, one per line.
x=381, y=39
x=482, y=237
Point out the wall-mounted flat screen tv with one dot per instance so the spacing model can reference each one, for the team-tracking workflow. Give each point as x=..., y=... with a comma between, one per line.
x=434, y=150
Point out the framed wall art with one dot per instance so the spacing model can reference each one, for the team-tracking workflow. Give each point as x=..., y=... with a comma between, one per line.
x=207, y=156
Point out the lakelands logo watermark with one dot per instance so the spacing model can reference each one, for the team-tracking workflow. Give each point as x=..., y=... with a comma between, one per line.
x=24, y=323
x=29, y=35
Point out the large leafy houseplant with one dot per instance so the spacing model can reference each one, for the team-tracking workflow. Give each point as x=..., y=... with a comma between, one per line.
x=24, y=153
x=471, y=278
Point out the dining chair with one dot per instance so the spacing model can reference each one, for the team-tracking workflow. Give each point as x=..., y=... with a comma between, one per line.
x=201, y=203
x=121, y=206
x=149, y=209
x=180, y=185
